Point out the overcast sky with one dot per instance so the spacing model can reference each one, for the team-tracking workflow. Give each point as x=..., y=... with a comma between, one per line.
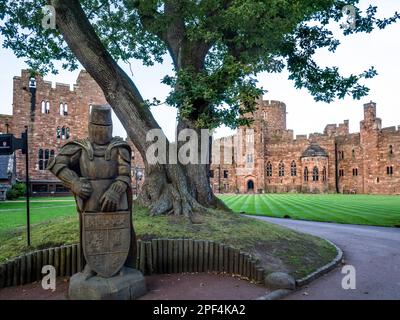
x=355, y=54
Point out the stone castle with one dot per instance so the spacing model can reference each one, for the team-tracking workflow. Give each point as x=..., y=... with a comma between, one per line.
x=272, y=159
x=334, y=161
x=54, y=115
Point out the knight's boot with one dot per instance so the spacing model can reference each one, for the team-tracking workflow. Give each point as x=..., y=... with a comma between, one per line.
x=87, y=272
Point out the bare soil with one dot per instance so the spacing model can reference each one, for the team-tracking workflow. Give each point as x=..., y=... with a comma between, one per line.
x=200, y=286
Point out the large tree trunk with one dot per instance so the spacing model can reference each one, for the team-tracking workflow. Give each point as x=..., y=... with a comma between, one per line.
x=177, y=189
x=183, y=189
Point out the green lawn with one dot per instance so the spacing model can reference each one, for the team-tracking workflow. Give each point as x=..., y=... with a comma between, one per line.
x=354, y=209
x=13, y=213
x=275, y=247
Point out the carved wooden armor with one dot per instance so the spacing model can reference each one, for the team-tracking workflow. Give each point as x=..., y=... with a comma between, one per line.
x=98, y=172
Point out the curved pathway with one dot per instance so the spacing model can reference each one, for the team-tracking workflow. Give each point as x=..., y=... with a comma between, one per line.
x=373, y=251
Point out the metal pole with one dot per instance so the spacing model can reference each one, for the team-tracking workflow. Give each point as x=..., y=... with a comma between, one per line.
x=28, y=213
x=219, y=178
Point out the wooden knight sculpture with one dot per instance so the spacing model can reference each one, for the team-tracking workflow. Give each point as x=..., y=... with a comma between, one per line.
x=98, y=172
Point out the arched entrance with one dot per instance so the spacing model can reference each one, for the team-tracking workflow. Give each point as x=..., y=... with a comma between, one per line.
x=250, y=186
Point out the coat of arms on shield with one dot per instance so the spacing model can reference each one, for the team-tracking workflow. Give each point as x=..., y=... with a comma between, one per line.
x=106, y=240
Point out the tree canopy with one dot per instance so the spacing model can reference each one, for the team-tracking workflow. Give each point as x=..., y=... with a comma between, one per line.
x=218, y=47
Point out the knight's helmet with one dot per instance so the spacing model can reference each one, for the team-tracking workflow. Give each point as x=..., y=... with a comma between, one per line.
x=100, y=124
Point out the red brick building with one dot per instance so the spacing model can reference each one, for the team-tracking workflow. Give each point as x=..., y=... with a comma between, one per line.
x=54, y=116
x=267, y=157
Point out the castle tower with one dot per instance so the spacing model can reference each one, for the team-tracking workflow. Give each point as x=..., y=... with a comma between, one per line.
x=369, y=141
x=54, y=116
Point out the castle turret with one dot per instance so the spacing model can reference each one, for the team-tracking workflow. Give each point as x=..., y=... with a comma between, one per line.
x=370, y=120
x=273, y=113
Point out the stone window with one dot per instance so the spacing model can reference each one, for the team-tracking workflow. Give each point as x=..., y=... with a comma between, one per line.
x=63, y=133
x=269, y=169
x=226, y=174
x=281, y=169
x=315, y=174
x=41, y=159
x=58, y=132
x=390, y=149
x=47, y=107
x=341, y=173
x=63, y=109
x=293, y=169
x=44, y=156
x=355, y=172
x=249, y=158
x=305, y=174
x=389, y=170
x=250, y=137
x=353, y=154
x=67, y=133
x=324, y=174
x=40, y=188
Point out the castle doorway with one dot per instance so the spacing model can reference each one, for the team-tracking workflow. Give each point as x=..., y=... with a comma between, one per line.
x=250, y=186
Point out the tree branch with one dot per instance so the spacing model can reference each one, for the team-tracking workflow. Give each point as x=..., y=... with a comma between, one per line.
x=119, y=90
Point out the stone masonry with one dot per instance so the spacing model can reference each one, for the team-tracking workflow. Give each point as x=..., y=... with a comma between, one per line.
x=56, y=115
x=270, y=159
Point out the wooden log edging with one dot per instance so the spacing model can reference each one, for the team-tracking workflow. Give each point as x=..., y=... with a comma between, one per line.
x=28, y=268
x=193, y=256
x=159, y=256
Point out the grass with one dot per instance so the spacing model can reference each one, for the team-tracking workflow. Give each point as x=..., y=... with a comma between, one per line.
x=13, y=213
x=377, y=210
x=276, y=247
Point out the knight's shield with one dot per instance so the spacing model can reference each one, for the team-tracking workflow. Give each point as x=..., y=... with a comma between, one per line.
x=106, y=240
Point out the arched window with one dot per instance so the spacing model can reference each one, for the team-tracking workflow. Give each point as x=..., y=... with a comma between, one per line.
x=281, y=169
x=269, y=169
x=305, y=174
x=67, y=133
x=315, y=175
x=293, y=169
x=43, y=107
x=250, y=136
x=58, y=132
x=47, y=108
x=90, y=108
x=63, y=109
x=390, y=149
x=324, y=174
x=63, y=133
x=389, y=170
